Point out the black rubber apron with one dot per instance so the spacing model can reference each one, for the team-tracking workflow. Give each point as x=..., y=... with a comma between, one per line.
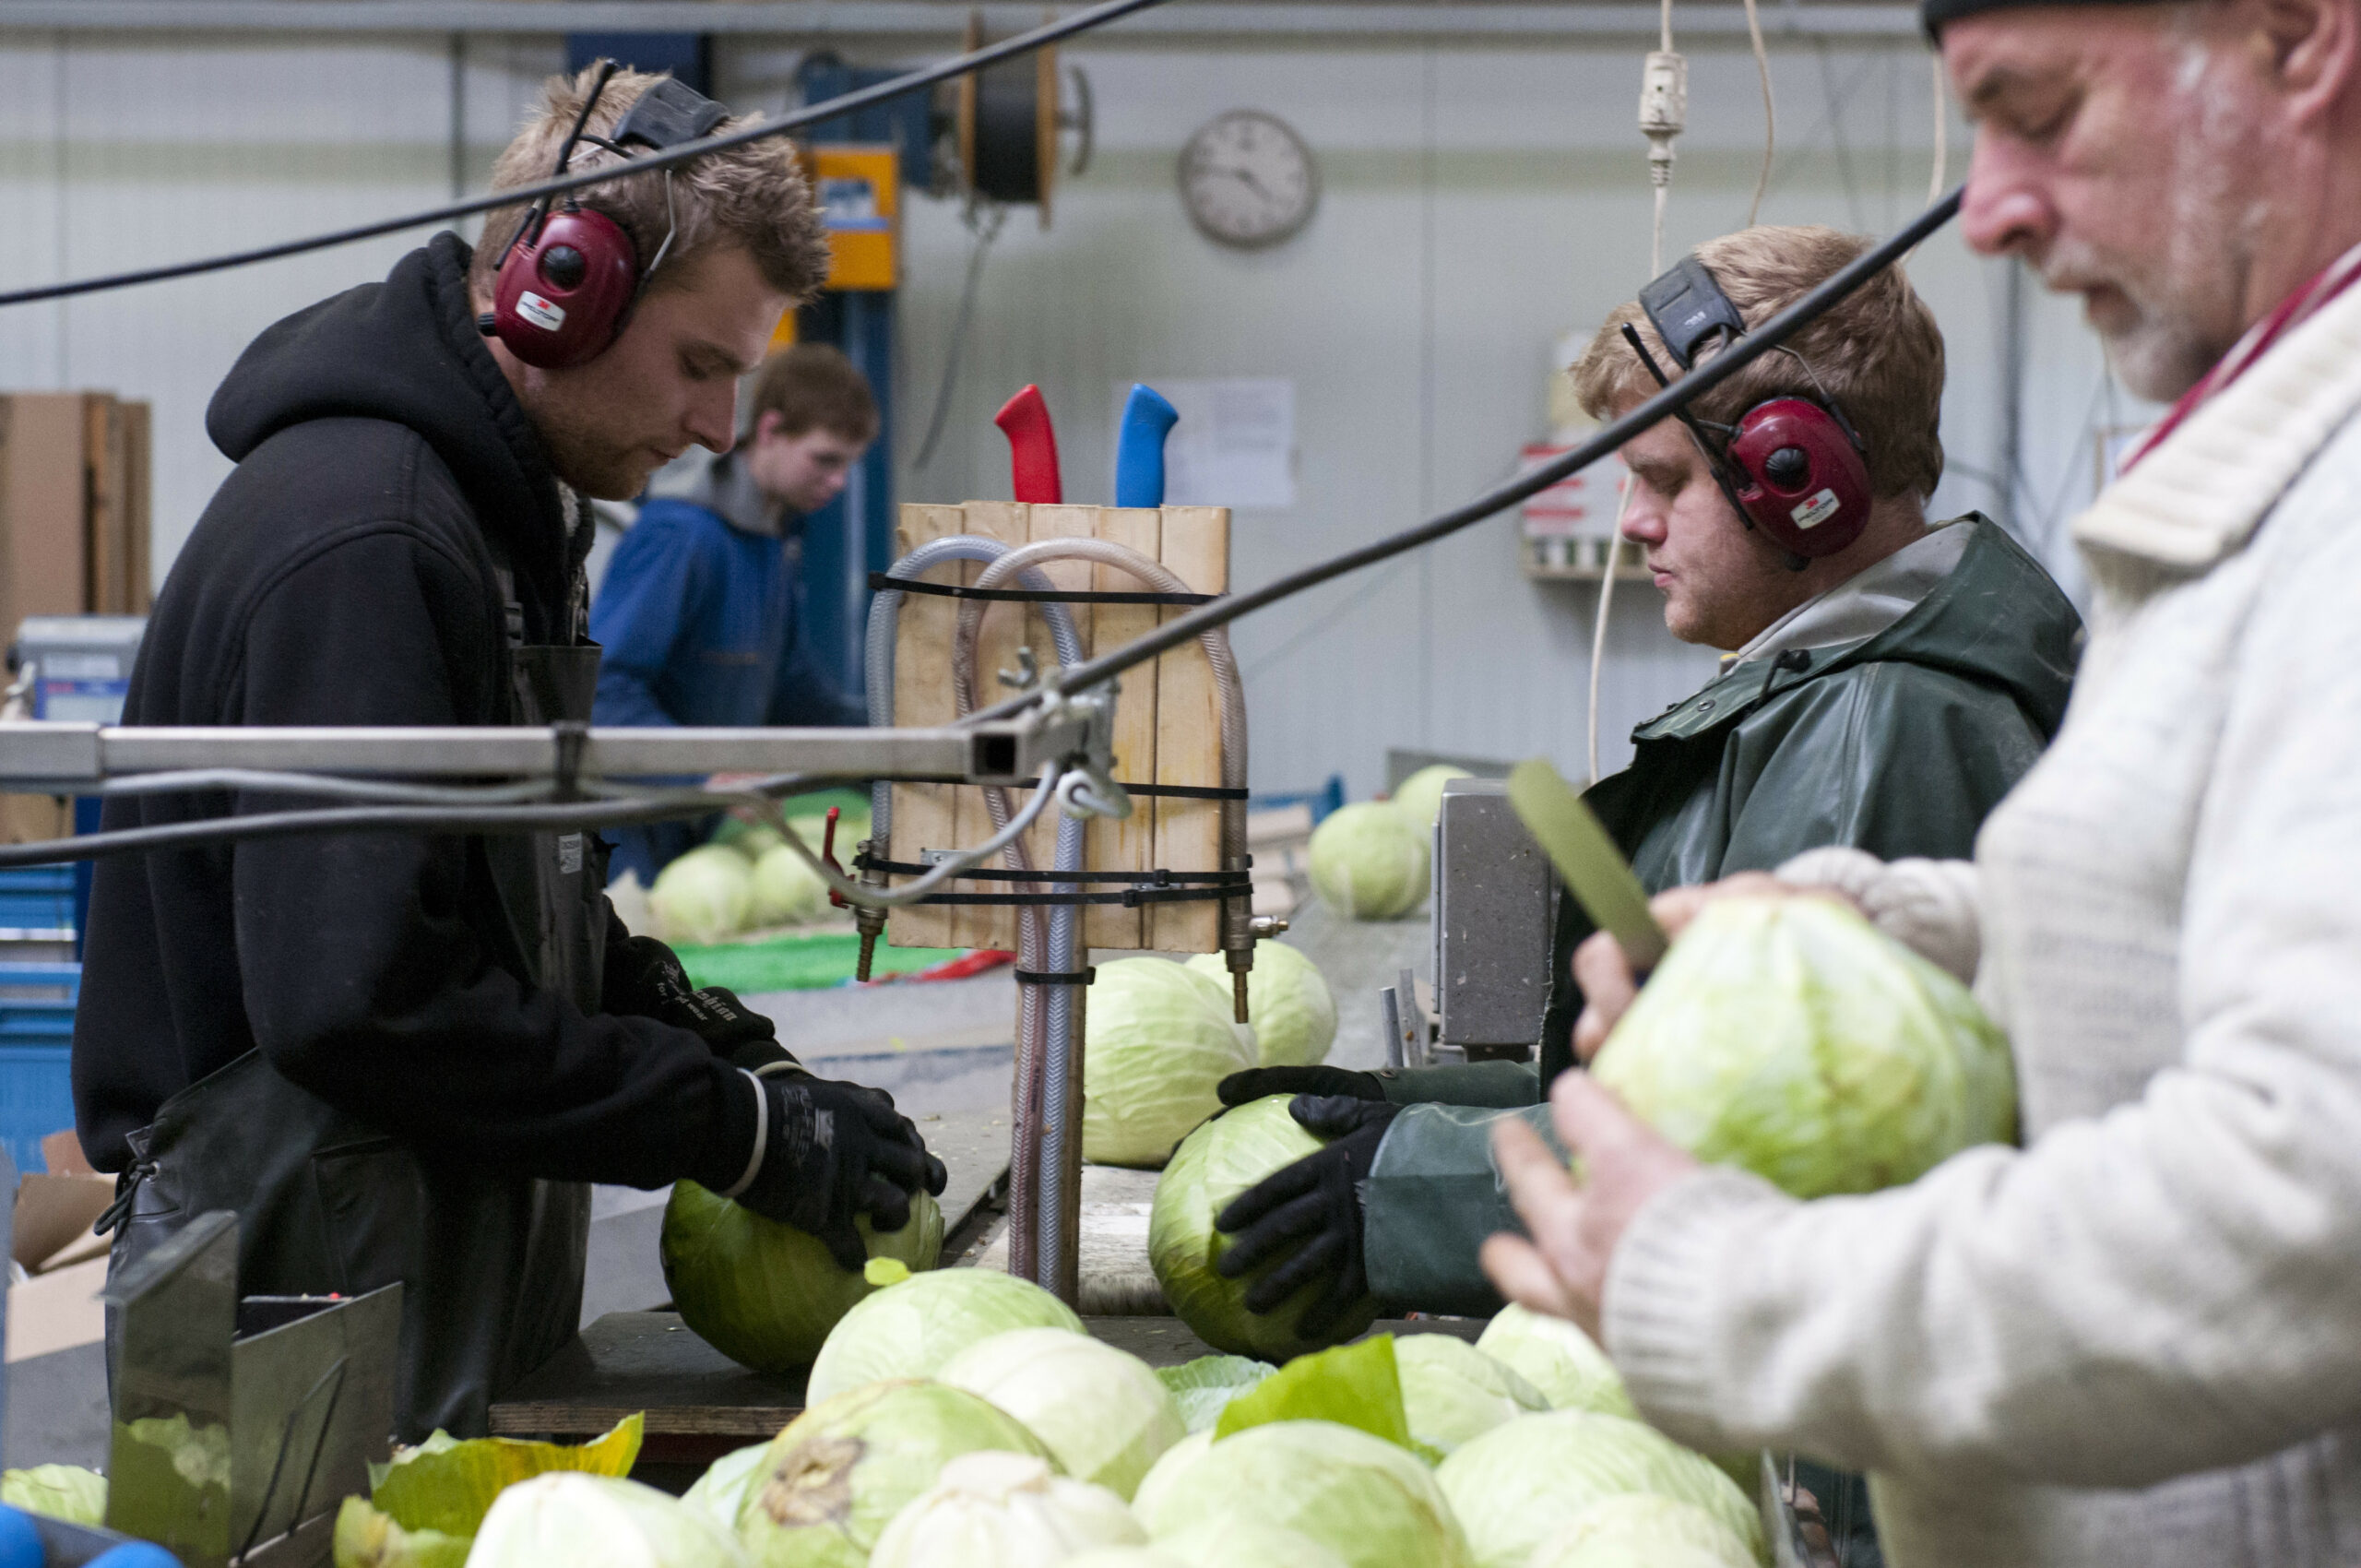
x=491, y=1265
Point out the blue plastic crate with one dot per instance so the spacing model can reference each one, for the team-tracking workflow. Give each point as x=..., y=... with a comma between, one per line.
x=36, y=1085
x=37, y=879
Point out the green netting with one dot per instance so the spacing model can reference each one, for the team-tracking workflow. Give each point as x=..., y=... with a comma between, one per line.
x=812, y=961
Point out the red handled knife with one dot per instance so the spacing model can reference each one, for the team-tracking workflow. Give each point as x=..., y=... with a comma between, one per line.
x=1032, y=447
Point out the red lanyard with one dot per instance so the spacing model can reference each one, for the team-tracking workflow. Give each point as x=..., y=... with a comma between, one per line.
x=2297, y=308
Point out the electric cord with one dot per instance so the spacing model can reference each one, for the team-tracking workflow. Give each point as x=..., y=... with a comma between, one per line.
x=1598, y=627
x=984, y=220
x=1771, y=116
x=1772, y=335
x=517, y=196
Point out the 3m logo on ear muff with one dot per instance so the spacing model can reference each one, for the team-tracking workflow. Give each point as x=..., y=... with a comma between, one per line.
x=531, y=307
x=1817, y=510
x=1792, y=465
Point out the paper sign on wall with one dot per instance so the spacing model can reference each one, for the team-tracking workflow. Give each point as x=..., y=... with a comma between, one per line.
x=1234, y=444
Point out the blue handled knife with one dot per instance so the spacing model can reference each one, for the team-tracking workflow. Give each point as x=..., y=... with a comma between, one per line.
x=1139, y=447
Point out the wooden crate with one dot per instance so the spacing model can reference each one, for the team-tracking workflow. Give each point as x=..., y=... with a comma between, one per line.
x=1167, y=728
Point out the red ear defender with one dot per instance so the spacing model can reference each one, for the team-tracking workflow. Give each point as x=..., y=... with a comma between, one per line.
x=562, y=294
x=1801, y=477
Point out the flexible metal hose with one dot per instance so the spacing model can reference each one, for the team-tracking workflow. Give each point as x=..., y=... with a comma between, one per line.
x=1057, y=1080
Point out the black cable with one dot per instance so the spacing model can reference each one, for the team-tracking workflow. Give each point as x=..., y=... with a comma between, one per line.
x=957, y=65
x=1670, y=402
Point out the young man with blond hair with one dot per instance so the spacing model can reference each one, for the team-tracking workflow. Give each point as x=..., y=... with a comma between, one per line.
x=398, y=1057
x=1884, y=697
x=2134, y=1342
x=701, y=613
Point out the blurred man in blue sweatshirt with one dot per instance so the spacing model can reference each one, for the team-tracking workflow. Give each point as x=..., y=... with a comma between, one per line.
x=701, y=610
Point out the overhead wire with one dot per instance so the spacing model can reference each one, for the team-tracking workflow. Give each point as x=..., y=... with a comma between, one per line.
x=516, y=195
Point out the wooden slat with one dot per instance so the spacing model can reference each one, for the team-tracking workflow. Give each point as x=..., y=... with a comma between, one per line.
x=985, y=925
x=1195, y=545
x=925, y=816
x=1129, y=845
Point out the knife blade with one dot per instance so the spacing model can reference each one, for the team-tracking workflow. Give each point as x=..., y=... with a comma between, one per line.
x=1032, y=447
x=1139, y=447
x=1594, y=871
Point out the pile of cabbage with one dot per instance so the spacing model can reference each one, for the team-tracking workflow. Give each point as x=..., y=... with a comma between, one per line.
x=748, y=879
x=964, y=1418
x=1160, y=1035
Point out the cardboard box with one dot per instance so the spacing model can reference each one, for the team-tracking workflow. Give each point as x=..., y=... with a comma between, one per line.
x=57, y=1312
x=43, y=565
x=58, y=1307
x=75, y=491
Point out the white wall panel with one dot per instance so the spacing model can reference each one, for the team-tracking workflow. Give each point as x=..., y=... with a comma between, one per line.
x=1477, y=203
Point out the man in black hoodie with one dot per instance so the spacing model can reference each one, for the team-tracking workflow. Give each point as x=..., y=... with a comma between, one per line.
x=398, y=1056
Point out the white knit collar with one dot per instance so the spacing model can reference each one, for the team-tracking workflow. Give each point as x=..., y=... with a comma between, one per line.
x=2198, y=497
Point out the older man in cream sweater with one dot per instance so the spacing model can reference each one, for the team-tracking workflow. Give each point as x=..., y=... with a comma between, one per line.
x=2136, y=1341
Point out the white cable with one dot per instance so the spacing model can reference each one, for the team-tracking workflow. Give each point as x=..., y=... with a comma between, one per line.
x=1942, y=131
x=1598, y=627
x=1770, y=110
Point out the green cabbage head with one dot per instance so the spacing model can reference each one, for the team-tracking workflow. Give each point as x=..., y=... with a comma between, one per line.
x=1525, y=1482
x=1558, y=1359
x=765, y=1294
x=1215, y=1164
x=990, y=1510
x=1103, y=1412
x=720, y=1492
x=787, y=890
x=1156, y=1038
x=1369, y=1501
x=1790, y=1037
x=1242, y=1543
x=1420, y=796
x=1645, y=1530
x=1202, y=1389
x=836, y=1476
x=576, y=1517
x=1451, y=1391
x=61, y=1491
x=1368, y=861
x=705, y=896
x=1288, y=1001
x=910, y=1329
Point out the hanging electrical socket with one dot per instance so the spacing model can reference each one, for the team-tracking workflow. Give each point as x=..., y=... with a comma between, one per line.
x=1664, y=94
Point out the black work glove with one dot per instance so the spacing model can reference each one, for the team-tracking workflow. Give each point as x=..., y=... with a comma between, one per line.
x=1308, y=1215
x=834, y=1151
x=644, y=979
x=1257, y=1083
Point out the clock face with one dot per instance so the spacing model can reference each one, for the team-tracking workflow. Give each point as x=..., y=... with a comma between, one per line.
x=1247, y=180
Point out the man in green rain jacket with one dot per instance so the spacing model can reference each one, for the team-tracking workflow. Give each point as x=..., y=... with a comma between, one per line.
x=1884, y=697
